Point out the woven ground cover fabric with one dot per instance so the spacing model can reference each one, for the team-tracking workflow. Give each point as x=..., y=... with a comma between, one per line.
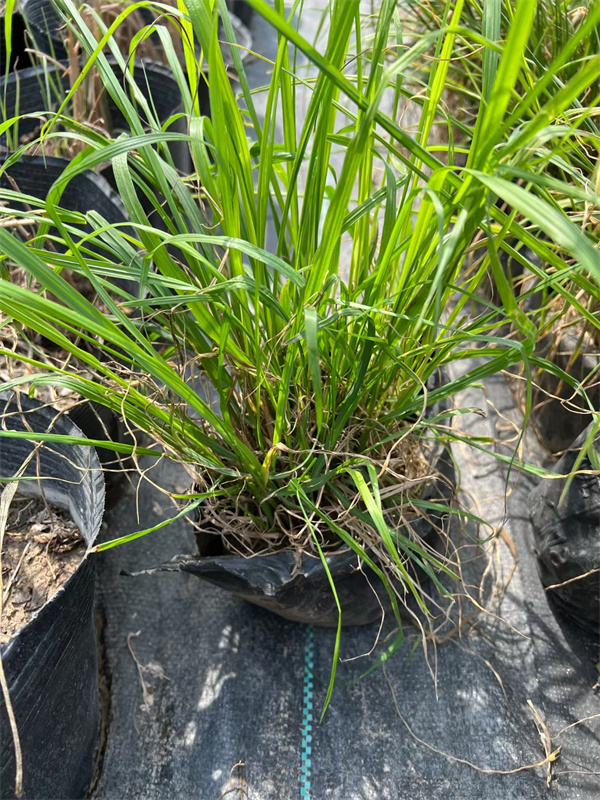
x=230, y=684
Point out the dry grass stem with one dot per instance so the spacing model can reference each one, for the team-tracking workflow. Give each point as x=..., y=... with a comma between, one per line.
x=549, y=759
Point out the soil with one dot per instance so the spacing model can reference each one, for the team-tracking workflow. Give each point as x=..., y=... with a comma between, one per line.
x=33, y=346
x=226, y=528
x=42, y=548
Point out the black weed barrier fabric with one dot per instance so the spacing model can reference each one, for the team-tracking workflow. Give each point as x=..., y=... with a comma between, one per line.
x=211, y=695
x=220, y=683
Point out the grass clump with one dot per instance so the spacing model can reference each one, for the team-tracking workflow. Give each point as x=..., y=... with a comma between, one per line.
x=293, y=320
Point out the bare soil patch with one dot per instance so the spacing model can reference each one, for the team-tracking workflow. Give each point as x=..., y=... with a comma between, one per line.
x=42, y=548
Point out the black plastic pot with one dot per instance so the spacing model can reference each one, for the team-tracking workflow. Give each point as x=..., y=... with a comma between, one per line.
x=51, y=664
x=242, y=10
x=35, y=175
x=26, y=93
x=559, y=414
x=100, y=423
x=567, y=538
x=46, y=26
x=19, y=59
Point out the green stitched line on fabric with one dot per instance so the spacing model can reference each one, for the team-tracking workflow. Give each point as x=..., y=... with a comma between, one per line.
x=307, y=713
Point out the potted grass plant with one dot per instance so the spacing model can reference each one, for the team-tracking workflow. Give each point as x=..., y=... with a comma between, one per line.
x=302, y=328
x=563, y=304
x=565, y=388
x=29, y=99
x=47, y=22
